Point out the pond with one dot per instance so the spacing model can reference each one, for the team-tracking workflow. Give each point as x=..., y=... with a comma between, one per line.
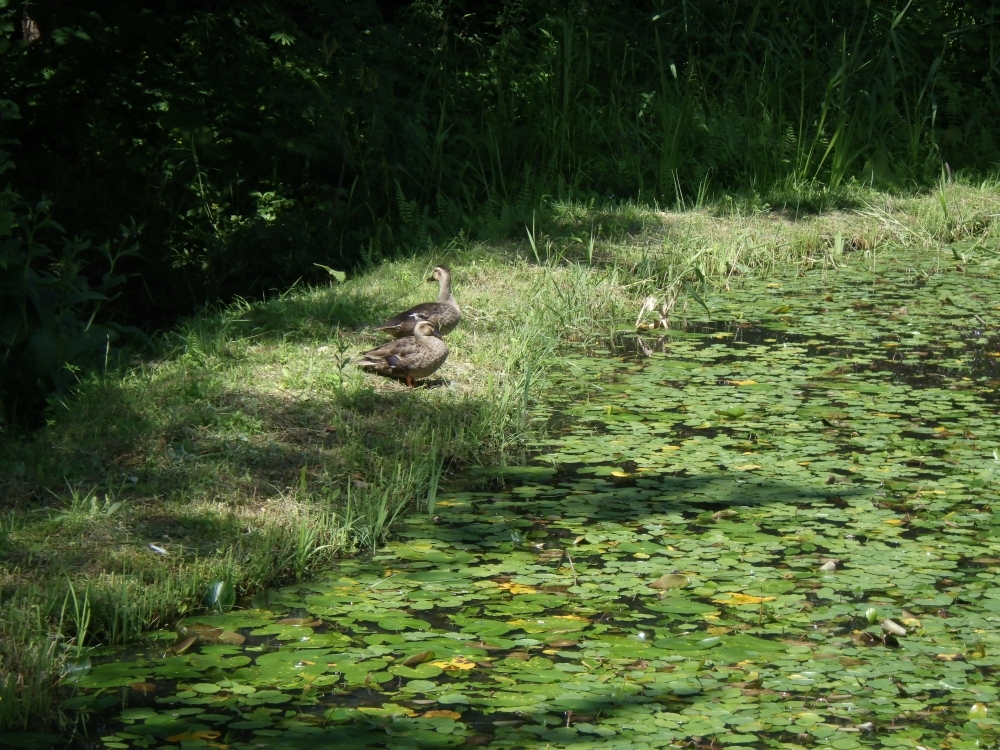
x=773, y=526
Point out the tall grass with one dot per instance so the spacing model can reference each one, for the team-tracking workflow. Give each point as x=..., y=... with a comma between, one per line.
x=614, y=101
x=400, y=128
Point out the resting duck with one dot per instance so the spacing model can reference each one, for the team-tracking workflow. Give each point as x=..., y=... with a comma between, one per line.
x=444, y=313
x=408, y=358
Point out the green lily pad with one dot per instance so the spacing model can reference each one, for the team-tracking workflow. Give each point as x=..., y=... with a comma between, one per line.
x=487, y=628
x=681, y=606
x=671, y=581
x=419, y=672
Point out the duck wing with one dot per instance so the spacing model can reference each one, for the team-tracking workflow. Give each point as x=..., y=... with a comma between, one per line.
x=405, y=358
x=396, y=356
x=402, y=324
x=399, y=349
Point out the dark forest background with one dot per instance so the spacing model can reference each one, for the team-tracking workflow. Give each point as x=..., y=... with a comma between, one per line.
x=159, y=156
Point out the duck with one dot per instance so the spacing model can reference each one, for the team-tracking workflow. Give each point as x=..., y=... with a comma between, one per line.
x=444, y=314
x=409, y=358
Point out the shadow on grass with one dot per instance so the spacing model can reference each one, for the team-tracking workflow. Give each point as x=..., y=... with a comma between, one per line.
x=329, y=311
x=621, y=221
x=163, y=482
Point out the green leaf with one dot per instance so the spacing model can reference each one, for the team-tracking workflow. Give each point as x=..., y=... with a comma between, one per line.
x=220, y=596
x=335, y=275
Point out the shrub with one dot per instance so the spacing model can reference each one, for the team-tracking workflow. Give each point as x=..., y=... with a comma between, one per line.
x=48, y=305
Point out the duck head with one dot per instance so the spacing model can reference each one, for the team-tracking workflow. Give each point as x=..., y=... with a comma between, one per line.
x=440, y=273
x=425, y=328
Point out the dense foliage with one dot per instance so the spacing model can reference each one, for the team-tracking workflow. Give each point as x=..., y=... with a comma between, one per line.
x=48, y=305
x=254, y=139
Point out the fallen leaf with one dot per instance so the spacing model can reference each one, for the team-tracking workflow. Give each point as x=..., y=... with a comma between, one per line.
x=741, y=599
x=230, y=638
x=419, y=658
x=441, y=713
x=517, y=588
x=562, y=643
x=181, y=646
x=201, y=628
x=456, y=662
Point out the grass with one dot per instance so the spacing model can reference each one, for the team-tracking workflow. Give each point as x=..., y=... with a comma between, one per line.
x=246, y=452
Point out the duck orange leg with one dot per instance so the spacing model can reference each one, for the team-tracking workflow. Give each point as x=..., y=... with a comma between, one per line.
x=409, y=381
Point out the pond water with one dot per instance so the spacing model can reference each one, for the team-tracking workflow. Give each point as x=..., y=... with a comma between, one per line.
x=773, y=527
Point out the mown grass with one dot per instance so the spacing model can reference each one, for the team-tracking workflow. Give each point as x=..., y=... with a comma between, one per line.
x=246, y=449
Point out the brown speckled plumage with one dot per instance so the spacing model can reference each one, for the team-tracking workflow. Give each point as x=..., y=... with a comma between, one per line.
x=409, y=358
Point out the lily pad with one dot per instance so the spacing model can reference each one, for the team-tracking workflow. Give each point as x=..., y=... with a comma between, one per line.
x=671, y=581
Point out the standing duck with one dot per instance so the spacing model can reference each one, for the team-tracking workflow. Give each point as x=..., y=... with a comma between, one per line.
x=444, y=313
x=408, y=358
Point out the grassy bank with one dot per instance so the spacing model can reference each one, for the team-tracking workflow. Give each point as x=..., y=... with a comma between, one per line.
x=247, y=452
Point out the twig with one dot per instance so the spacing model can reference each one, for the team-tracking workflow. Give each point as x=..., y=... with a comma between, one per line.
x=572, y=568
